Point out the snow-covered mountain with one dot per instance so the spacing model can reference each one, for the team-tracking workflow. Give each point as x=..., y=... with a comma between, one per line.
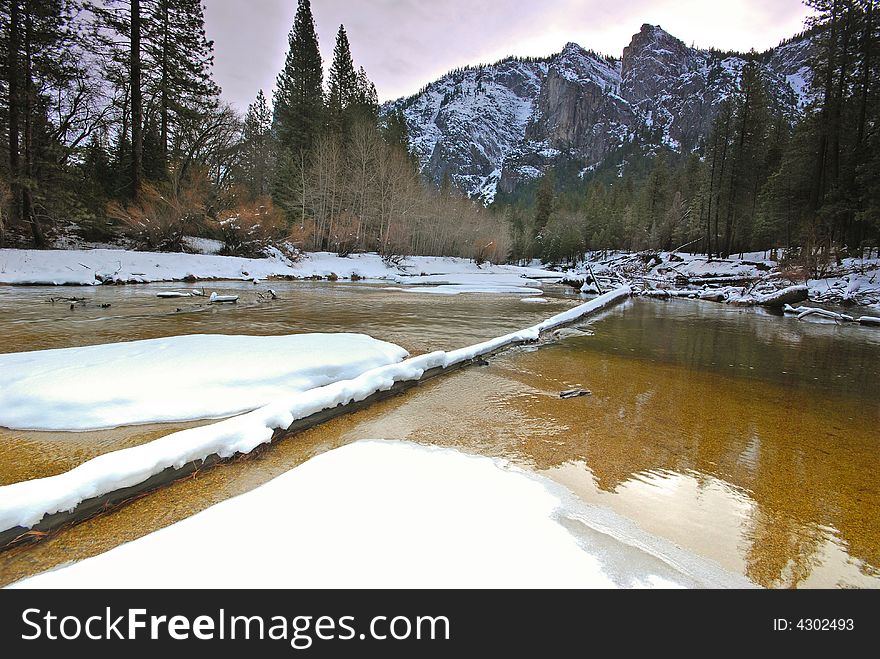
x=490, y=128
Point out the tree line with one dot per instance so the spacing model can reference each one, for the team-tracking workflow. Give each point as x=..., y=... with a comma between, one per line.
x=112, y=126
x=759, y=181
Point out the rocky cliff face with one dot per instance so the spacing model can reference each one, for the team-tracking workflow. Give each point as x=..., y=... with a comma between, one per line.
x=491, y=128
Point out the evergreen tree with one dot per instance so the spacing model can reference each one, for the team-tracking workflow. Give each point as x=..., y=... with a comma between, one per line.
x=749, y=156
x=257, y=147
x=395, y=130
x=716, y=174
x=38, y=61
x=299, y=97
x=545, y=202
x=366, y=98
x=653, y=206
x=135, y=82
x=121, y=29
x=343, y=86
x=180, y=57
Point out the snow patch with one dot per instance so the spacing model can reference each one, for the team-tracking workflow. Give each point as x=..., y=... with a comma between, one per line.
x=175, y=379
x=396, y=515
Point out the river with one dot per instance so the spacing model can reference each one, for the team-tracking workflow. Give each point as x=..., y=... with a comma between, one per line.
x=748, y=438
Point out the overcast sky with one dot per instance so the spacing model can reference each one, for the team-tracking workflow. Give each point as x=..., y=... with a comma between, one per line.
x=404, y=44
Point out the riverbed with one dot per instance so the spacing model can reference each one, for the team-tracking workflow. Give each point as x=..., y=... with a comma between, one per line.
x=745, y=437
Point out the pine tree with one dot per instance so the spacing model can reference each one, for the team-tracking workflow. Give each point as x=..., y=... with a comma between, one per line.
x=120, y=26
x=343, y=90
x=299, y=97
x=135, y=82
x=366, y=97
x=36, y=45
x=716, y=174
x=545, y=203
x=395, y=130
x=749, y=156
x=257, y=147
x=180, y=57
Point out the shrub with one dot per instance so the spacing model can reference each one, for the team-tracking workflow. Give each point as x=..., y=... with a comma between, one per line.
x=159, y=219
x=249, y=228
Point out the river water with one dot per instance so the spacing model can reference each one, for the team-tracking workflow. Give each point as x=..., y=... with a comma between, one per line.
x=748, y=438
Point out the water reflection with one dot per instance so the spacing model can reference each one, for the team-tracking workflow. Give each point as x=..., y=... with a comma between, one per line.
x=771, y=480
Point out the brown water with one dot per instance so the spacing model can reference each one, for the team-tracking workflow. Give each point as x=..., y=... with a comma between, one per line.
x=41, y=318
x=746, y=438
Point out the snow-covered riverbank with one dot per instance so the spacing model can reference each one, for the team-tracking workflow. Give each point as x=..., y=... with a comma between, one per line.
x=738, y=281
x=397, y=515
x=98, y=266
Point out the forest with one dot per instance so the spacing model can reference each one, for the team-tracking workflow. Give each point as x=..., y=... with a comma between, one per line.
x=808, y=188
x=114, y=130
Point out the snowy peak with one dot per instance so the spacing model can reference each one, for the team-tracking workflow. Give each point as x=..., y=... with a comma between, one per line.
x=578, y=65
x=464, y=125
x=652, y=58
x=493, y=127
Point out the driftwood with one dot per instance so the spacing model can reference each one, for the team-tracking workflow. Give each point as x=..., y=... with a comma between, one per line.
x=734, y=279
x=575, y=393
x=791, y=295
x=595, y=281
x=710, y=295
x=805, y=312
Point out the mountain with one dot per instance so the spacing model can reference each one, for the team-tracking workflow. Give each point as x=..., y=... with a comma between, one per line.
x=494, y=127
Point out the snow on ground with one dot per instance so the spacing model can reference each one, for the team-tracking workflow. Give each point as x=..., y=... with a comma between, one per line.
x=26, y=503
x=93, y=267
x=175, y=379
x=202, y=245
x=397, y=515
x=854, y=281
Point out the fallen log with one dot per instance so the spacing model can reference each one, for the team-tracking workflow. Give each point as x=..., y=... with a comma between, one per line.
x=709, y=296
x=734, y=279
x=791, y=295
x=824, y=313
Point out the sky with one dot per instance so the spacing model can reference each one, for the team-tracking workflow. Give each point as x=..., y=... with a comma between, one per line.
x=405, y=44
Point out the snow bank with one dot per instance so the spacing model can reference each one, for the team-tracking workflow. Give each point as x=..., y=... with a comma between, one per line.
x=93, y=267
x=853, y=281
x=396, y=515
x=175, y=379
x=25, y=504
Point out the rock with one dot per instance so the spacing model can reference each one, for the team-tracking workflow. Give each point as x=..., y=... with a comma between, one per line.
x=497, y=127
